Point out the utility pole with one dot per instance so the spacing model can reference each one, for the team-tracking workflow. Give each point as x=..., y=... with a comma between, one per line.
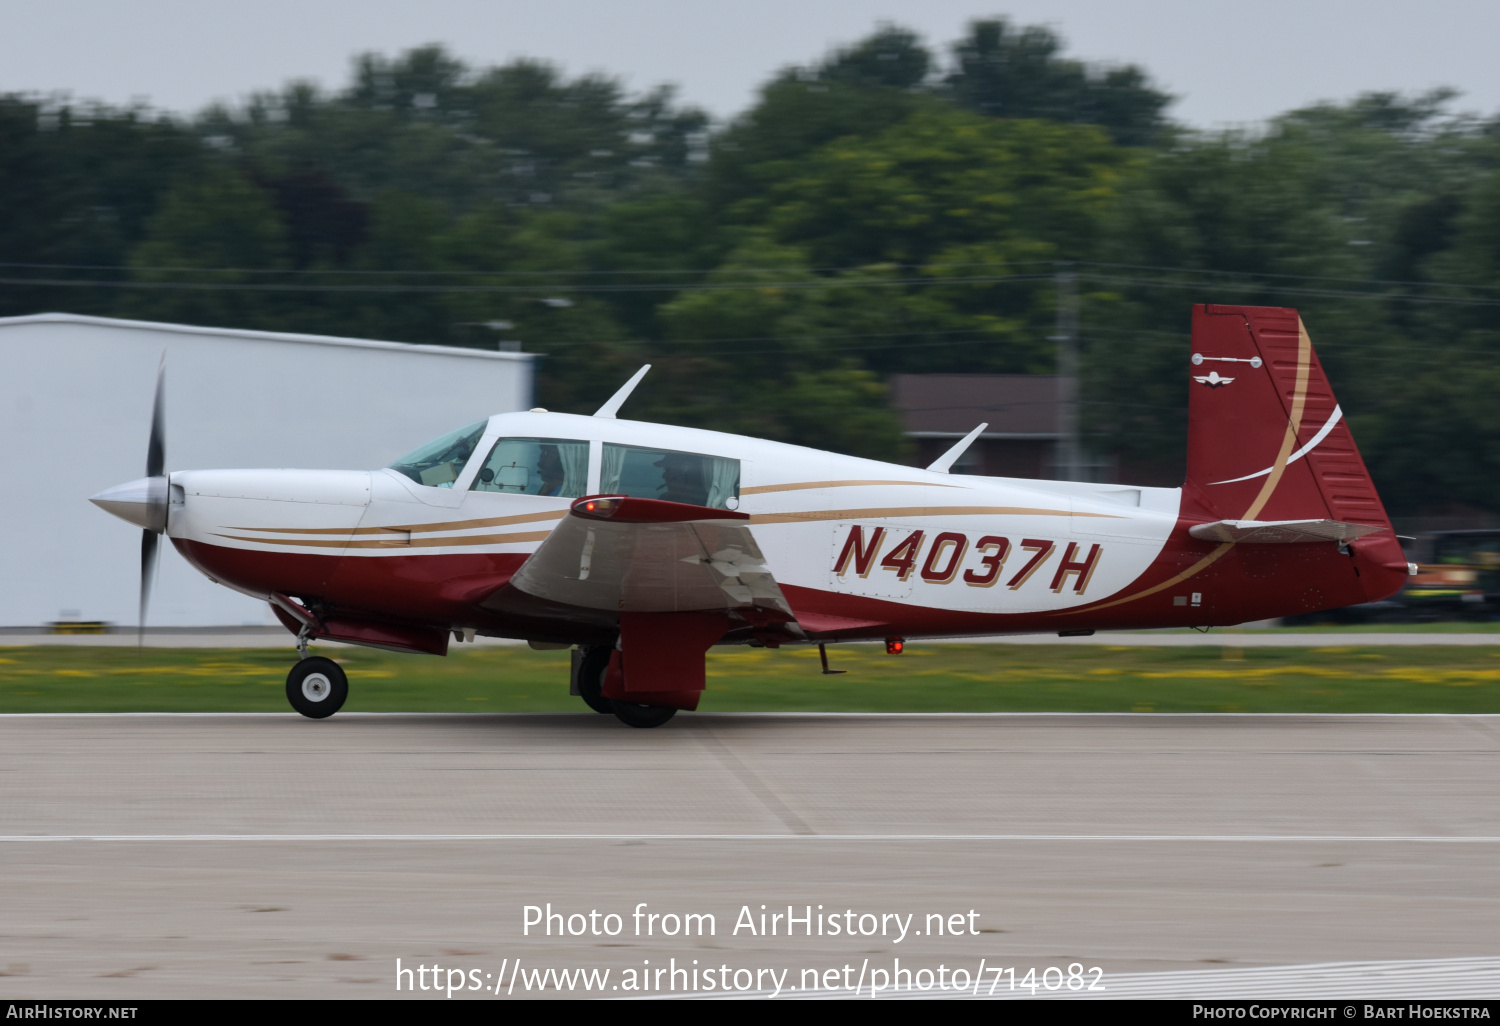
x=1070, y=462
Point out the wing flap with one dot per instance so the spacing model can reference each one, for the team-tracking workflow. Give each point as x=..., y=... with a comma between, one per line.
x=654, y=560
x=1280, y=532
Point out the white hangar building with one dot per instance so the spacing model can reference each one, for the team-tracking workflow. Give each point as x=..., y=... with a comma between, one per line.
x=75, y=416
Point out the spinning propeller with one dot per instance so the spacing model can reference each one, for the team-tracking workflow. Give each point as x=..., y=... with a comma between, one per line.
x=144, y=502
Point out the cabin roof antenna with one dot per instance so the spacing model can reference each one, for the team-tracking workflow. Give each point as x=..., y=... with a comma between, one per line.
x=612, y=406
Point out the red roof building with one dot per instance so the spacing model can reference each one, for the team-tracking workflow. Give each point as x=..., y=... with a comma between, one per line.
x=1022, y=410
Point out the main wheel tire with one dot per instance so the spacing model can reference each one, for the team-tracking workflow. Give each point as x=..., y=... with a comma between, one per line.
x=633, y=715
x=317, y=687
x=591, y=670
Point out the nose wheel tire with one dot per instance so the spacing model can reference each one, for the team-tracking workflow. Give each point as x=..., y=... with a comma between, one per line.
x=317, y=687
x=633, y=715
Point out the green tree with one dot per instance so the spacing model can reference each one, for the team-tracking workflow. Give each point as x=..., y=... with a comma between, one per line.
x=891, y=58
x=534, y=261
x=204, y=250
x=80, y=182
x=405, y=235
x=1306, y=213
x=955, y=222
x=1433, y=443
x=796, y=115
x=661, y=234
x=1004, y=72
x=425, y=123
x=745, y=353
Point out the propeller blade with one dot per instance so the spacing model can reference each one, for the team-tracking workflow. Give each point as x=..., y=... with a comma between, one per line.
x=156, y=459
x=156, y=448
x=149, y=540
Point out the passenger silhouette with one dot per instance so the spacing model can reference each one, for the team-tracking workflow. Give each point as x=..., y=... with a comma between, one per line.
x=683, y=479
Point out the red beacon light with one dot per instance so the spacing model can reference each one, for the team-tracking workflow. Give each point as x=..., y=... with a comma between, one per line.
x=599, y=507
x=895, y=646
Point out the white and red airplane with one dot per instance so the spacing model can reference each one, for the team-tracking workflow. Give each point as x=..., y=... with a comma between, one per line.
x=640, y=545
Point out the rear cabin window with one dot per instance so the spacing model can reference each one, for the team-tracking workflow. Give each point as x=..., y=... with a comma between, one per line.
x=689, y=477
x=438, y=464
x=536, y=466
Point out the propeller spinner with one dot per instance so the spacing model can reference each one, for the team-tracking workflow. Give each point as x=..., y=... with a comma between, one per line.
x=144, y=502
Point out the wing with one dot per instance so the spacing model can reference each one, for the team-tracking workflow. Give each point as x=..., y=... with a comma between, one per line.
x=619, y=554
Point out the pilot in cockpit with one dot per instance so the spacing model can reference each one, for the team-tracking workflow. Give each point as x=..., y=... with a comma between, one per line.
x=549, y=467
x=683, y=478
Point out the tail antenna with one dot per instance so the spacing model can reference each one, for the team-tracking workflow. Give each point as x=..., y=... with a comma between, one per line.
x=944, y=463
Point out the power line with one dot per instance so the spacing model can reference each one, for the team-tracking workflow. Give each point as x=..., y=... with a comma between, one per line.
x=1295, y=291
x=1294, y=277
x=1182, y=338
x=498, y=273
x=743, y=286
x=822, y=283
x=865, y=267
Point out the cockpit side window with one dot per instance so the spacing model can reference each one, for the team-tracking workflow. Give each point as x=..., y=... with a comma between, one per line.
x=438, y=464
x=675, y=476
x=536, y=466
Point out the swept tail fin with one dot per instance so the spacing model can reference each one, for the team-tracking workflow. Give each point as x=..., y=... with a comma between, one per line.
x=1267, y=440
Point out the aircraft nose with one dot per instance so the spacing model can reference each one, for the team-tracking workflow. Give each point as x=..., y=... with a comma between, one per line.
x=142, y=502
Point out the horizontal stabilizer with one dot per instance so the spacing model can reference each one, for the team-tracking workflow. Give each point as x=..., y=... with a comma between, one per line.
x=1280, y=532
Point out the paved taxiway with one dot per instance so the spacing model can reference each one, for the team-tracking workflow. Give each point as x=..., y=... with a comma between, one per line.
x=272, y=856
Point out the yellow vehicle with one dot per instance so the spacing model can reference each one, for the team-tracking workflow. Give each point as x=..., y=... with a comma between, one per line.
x=1457, y=572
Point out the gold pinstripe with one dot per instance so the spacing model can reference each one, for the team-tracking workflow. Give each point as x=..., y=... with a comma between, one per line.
x=415, y=543
x=801, y=485
x=457, y=525
x=896, y=512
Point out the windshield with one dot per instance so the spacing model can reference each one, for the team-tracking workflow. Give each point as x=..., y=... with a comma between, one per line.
x=438, y=464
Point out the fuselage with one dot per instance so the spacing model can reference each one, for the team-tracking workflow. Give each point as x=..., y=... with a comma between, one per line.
x=860, y=548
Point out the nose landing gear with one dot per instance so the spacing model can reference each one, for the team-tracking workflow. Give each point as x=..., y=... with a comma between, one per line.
x=317, y=687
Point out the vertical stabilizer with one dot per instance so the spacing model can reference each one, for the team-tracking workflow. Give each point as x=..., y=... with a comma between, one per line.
x=1267, y=440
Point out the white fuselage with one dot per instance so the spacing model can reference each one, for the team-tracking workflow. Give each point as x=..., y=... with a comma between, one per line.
x=835, y=525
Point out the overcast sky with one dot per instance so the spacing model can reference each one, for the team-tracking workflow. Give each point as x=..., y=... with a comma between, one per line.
x=1228, y=61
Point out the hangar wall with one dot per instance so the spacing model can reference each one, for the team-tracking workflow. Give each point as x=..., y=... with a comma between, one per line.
x=75, y=412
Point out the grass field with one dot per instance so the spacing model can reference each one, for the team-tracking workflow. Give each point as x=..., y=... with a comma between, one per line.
x=1432, y=627
x=927, y=678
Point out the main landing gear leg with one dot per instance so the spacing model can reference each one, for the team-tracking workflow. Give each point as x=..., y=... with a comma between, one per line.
x=589, y=669
x=316, y=687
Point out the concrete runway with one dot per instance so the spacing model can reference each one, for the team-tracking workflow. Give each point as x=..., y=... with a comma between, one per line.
x=149, y=856
x=1231, y=636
